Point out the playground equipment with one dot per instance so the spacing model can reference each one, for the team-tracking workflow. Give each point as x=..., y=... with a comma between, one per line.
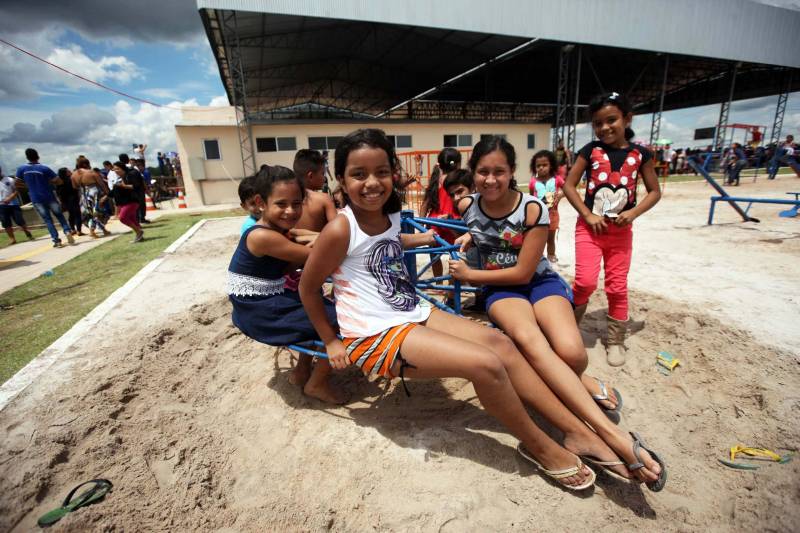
x=732, y=200
x=753, y=134
x=419, y=164
x=410, y=224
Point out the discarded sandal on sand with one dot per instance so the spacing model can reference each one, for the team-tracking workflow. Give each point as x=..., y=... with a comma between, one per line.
x=611, y=413
x=638, y=444
x=98, y=490
x=558, y=475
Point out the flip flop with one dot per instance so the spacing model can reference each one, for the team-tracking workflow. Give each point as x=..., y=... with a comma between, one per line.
x=558, y=475
x=98, y=490
x=638, y=444
x=606, y=466
x=612, y=414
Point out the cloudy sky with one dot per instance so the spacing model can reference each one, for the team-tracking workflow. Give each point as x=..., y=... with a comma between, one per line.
x=157, y=50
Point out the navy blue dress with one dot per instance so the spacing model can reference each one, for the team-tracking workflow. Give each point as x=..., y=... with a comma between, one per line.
x=264, y=308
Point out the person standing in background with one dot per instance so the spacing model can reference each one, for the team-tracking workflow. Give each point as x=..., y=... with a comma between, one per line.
x=10, y=209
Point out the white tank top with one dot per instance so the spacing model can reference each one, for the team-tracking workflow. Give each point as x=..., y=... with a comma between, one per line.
x=372, y=287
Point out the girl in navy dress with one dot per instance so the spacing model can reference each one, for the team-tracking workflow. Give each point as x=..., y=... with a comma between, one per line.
x=262, y=279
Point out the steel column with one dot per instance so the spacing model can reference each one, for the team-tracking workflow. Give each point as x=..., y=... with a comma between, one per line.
x=655, y=125
x=571, y=126
x=243, y=127
x=724, y=111
x=562, y=93
x=780, y=110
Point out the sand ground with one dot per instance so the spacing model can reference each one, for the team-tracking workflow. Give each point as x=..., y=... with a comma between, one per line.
x=198, y=428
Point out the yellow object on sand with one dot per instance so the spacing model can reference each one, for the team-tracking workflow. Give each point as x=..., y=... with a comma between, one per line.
x=667, y=360
x=756, y=452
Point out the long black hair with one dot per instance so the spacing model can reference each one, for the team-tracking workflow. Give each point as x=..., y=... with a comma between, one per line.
x=615, y=99
x=372, y=138
x=492, y=144
x=266, y=178
x=448, y=160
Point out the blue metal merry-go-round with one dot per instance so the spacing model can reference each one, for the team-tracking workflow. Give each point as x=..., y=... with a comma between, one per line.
x=412, y=224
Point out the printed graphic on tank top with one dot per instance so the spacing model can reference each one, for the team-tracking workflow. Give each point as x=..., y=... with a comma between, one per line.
x=499, y=240
x=613, y=175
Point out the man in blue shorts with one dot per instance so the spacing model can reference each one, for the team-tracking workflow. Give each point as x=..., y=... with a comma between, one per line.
x=39, y=179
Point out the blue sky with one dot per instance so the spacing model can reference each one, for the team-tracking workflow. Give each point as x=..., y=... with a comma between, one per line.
x=158, y=51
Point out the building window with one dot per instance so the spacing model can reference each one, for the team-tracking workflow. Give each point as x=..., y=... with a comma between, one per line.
x=272, y=144
x=287, y=144
x=324, y=143
x=211, y=149
x=531, y=141
x=400, y=141
x=453, y=140
x=266, y=144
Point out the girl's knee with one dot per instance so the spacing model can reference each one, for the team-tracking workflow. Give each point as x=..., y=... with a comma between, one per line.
x=489, y=368
x=573, y=353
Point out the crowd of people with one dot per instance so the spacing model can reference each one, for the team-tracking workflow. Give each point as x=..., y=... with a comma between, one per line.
x=295, y=240
x=84, y=196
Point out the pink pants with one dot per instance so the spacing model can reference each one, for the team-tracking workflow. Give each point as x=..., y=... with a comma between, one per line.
x=127, y=215
x=614, y=247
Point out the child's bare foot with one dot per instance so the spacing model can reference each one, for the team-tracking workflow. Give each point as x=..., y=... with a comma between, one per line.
x=324, y=392
x=589, y=444
x=299, y=376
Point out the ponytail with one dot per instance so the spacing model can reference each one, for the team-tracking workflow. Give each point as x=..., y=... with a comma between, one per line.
x=628, y=134
x=431, y=200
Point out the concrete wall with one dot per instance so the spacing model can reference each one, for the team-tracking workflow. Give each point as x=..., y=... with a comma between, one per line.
x=214, y=182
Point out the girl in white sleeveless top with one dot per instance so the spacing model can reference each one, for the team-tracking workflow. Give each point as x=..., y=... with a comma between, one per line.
x=387, y=332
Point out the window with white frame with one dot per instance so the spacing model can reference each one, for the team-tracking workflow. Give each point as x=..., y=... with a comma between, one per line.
x=211, y=149
x=400, y=141
x=457, y=140
x=276, y=144
x=531, y=141
x=324, y=143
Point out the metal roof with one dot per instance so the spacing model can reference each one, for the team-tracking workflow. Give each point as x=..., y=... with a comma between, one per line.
x=369, y=57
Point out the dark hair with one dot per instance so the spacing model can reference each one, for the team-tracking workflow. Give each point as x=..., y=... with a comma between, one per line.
x=82, y=162
x=492, y=144
x=551, y=158
x=124, y=159
x=615, y=99
x=459, y=176
x=121, y=165
x=31, y=154
x=372, y=138
x=449, y=159
x=107, y=163
x=265, y=179
x=306, y=161
x=62, y=173
x=247, y=188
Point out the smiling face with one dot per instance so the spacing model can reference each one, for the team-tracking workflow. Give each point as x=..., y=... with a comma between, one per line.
x=367, y=179
x=493, y=176
x=609, y=125
x=284, y=205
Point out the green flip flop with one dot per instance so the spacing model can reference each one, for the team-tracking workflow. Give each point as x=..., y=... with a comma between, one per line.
x=99, y=488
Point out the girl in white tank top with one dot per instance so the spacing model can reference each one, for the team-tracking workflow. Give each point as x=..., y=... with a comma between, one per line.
x=380, y=317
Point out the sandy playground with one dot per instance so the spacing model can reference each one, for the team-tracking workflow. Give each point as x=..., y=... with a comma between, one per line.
x=198, y=428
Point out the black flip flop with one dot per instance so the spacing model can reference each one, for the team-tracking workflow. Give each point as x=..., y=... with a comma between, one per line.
x=638, y=443
x=98, y=490
x=612, y=414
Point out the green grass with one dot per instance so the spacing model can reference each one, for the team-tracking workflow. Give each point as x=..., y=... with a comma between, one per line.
x=37, y=313
x=20, y=236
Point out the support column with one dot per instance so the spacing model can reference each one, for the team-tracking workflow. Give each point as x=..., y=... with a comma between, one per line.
x=234, y=57
x=561, y=101
x=655, y=125
x=574, y=119
x=780, y=110
x=724, y=111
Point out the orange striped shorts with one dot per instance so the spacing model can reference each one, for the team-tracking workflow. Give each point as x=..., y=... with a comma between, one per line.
x=377, y=353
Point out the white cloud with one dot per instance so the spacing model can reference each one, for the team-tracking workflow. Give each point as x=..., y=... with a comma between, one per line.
x=219, y=101
x=117, y=68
